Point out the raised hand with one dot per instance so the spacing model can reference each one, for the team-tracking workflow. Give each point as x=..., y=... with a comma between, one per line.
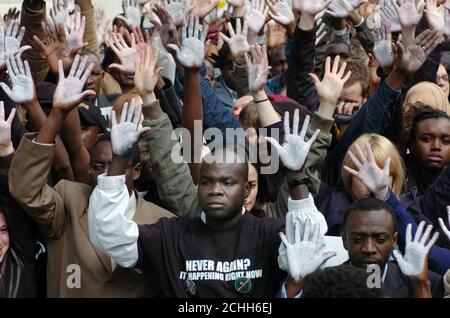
x=383, y=48
x=205, y=10
x=11, y=15
x=11, y=40
x=132, y=14
x=178, y=10
x=256, y=18
x=55, y=46
x=310, y=7
x=75, y=32
x=410, y=59
x=445, y=229
x=258, y=67
x=340, y=8
x=332, y=84
x=147, y=74
x=23, y=89
x=435, y=16
x=238, y=42
x=59, y=14
x=280, y=12
x=295, y=148
x=128, y=55
x=6, y=146
x=126, y=134
x=192, y=50
x=69, y=92
x=374, y=178
x=389, y=14
x=307, y=253
x=416, y=251
x=168, y=30
x=409, y=14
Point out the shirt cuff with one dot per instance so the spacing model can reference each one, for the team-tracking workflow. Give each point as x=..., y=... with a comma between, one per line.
x=283, y=293
x=340, y=32
x=305, y=204
x=110, y=182
x=360, y=23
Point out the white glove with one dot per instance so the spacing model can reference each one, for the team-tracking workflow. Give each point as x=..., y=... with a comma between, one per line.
x=126, y=134
x=443, y=227
x=382, y=49
x=295, y=149
x=192, y=50
x=416, y=252
x=22, y=81
x=306, y=255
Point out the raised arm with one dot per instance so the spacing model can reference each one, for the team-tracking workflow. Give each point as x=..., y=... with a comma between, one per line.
x=109, y=229
x=175, y=185
x=34, y=155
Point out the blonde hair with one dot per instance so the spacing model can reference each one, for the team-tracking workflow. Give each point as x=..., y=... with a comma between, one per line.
x=382, y=148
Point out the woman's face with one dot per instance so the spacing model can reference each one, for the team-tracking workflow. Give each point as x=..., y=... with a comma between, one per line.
x=4, y=237
x=250, y=201
x=431, y=146
x=360, y=191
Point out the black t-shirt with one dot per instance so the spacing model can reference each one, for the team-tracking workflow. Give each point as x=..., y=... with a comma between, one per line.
x=193, y=260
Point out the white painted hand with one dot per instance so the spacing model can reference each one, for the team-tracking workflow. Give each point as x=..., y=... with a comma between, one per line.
x=23, y=89
x=388, y=13
x=60, y=13
x=310, y=7
x=128, y=55
x=178, y=10
x=132, y=13
x=280, y=12
x=435, y=16
x=340, y=8
x=445, y=229
x=307, y=253
x=192, y=50
x=10, y=41
x=238, y=42
x=258, y=67
x=126, y=134
x=295, y=149
x=69, y=92
x=374, y=178
x=416, y=251
x=74, y=32
x=256, y=17
x=382, y=49
x=409, y=13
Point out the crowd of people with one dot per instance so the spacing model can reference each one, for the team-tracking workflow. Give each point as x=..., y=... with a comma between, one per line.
x=210, y=149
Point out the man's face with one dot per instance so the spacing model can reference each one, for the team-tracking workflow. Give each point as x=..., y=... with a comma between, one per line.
x=101, y=158
x=94, y=81
x=4, y=236
x=431, y=146
x=442, y=79
x=278, y=61
x=353, y=94
x=222, y=190
x=369, y=237
x=341, y=49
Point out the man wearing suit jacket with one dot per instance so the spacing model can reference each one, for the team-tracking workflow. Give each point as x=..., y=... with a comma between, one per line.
x=370, y=237
x=75, y=268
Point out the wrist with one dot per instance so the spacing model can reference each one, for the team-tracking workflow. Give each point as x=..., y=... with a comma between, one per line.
x=30, y=104
x=148, y=98
x=6, y=150
x=396, y=78
x=307, y=21
x=293, y=288
x=383, y=194
x=259, y=95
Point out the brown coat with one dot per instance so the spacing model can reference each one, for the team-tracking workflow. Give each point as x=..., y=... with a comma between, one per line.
x=61, y=213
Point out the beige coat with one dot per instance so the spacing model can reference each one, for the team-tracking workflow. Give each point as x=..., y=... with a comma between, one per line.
x=61, y=213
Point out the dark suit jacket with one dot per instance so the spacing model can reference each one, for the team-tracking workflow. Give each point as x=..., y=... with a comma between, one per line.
x=397, y=285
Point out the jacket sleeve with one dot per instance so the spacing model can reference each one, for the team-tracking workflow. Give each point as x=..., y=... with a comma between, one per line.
x=109, y=229
x=373, y=117
x=175, y=185
x=439, y=258
x=300, y=87
x=32, y=14
x=365, y=37
x=215, y=114
x=240, y=76
x=90, y=32
x=41, y=202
